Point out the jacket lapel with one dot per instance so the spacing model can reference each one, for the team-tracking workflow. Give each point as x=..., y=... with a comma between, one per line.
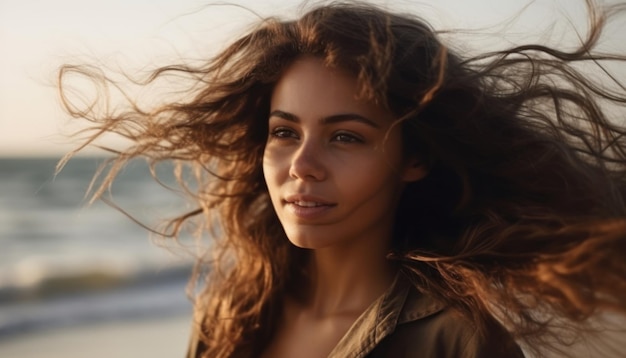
x=401, y=303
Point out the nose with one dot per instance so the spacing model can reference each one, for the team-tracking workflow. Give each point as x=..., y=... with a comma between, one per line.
x=307, y=163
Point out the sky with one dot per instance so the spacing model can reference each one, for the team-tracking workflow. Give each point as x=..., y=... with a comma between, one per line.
x=38, y=36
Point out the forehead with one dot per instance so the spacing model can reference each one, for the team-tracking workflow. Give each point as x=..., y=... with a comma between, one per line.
x=310, y=88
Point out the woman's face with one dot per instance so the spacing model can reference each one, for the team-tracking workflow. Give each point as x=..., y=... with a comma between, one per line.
x=333, y=168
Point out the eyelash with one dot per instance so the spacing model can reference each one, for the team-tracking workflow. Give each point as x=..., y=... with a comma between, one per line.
x=282, y=133
x=287, y=133
x=351, y=137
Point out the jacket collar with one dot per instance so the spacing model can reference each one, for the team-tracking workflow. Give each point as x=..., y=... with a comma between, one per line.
x=401, y=303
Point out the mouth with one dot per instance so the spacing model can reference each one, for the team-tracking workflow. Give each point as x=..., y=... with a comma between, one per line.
x=307, y=201
x=307, y=204
x=308, y=207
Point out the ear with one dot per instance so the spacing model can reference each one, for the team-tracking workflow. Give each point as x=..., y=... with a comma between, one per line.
x=414, y=170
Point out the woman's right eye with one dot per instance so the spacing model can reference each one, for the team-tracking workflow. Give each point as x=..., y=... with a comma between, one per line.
x=283, y=132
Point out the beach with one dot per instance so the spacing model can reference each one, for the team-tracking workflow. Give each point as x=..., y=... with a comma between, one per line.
x=156, y=338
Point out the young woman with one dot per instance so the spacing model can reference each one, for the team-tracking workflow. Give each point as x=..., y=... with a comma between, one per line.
x=371, y=193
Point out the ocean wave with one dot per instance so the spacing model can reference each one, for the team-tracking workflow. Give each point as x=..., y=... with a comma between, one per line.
x=145, y=298
x=63, y=263
x=44, y=277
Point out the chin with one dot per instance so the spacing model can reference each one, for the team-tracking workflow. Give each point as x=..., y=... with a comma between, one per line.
x=305, y=243
x=312, y=242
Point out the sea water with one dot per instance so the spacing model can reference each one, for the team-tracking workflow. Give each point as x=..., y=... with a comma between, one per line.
x=63, y=262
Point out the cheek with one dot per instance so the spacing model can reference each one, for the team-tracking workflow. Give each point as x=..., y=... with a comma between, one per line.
x=382, y=180
x=363, y=175
x=271, y=171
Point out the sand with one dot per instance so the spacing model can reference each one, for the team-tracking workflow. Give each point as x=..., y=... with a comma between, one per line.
x=154, y=338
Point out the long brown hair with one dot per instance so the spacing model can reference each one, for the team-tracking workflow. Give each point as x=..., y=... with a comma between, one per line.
x=521, y=217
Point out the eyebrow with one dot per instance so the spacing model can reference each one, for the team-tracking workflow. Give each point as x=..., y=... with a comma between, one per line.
x=335, y=118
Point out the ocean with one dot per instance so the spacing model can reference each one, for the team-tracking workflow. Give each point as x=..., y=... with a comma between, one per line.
x=64, y=263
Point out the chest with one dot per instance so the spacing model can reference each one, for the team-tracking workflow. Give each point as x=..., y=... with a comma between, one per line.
x=304, y=336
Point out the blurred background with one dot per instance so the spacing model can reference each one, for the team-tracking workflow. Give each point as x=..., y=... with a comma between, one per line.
x=79, y=280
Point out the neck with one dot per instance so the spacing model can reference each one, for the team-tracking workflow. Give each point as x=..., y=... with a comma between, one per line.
x=347, y=282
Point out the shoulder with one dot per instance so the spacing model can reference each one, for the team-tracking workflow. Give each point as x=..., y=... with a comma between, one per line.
x=422, y=331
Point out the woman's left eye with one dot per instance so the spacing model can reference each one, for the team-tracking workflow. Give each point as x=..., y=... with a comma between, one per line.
x=347, y=138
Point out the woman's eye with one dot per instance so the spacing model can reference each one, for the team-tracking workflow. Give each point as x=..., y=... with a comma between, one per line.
x=282, y=132
x=347, y=138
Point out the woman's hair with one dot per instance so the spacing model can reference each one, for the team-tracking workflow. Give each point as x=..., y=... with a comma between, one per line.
x=522, y=216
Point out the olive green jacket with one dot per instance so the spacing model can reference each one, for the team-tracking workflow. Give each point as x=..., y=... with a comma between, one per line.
x=406, y=323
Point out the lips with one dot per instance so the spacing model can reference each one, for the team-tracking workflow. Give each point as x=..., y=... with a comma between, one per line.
x=307, y=204
x=308, y=207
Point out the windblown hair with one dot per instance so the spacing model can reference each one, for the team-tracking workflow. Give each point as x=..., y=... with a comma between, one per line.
x=522, y=216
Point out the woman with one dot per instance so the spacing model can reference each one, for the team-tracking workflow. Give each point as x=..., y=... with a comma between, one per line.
x=371, y=193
